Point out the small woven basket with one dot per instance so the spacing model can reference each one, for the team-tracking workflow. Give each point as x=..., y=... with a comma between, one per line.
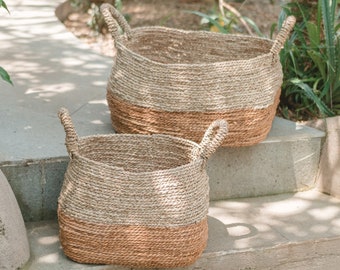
x=136, y=200
x=177, y=82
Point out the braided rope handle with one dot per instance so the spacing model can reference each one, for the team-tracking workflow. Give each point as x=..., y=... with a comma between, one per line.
x=283, y=35
x=71, y=140
x=213, y=137
x=114, y=19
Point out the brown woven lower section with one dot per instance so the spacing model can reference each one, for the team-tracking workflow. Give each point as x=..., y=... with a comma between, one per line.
x=134, y=246
x=246, y=126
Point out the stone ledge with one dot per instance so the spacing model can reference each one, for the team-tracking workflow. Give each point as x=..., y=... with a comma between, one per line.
x=286, y=161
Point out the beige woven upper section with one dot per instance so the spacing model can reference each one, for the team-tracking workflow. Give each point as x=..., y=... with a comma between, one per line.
x=175, y=70
x=129, y=180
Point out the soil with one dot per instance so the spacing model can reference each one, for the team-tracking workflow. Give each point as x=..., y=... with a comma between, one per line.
x=170, y=13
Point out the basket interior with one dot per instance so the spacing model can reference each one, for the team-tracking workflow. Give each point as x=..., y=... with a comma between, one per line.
x=137, y=153
x=168, y=46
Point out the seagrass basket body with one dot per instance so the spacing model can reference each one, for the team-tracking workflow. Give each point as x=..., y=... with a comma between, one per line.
x=135, y=200
x=177, y=82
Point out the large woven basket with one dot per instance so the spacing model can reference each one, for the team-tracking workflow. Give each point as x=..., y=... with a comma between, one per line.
x=136, y=200
x=177, y=82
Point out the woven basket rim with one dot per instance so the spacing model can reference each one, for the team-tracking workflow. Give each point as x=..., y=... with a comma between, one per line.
x=121, y=45
x=193, y=144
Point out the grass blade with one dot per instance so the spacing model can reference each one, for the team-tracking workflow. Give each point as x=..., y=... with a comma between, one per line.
x=328, y=15
x=308, y=91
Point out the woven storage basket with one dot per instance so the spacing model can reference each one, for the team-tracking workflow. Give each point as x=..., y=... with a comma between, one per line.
x=136, y=200
x=177, y=82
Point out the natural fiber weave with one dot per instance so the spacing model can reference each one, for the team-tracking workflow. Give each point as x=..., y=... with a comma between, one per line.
x=121, y=186
x=194, y=73
x=246, y=127
x=119, y=244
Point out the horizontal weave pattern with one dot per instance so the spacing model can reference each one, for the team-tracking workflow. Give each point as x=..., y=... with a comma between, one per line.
x=188, y=71
x=136, y=200
x=168, y=80
x=246, y=126
x=162, y=197
x=136, y=246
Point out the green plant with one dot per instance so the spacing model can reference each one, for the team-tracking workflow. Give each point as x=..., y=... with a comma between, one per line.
x=96, y=21
x=226, y=19
x=311, y=62
x=3, y=73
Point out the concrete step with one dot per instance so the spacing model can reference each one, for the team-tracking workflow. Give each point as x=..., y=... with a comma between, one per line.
x=286, y=161
x=298, y=231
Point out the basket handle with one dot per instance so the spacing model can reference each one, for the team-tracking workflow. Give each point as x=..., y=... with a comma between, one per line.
x=114, y=19
x=283, y=35
x=213, y=137
x=71, y=140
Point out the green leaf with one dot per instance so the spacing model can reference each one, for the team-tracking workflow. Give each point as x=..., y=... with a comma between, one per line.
x=319, y=16
x=337, y=67
x=328, y=12
x=272, y=30
x=118, y=5
x=210, y=19
x=308, y=91
x=5, y=76
x=337, y=27
x=292, y=57
x=336, y=98
x=254, y=26
x=313, y=34
x=319, y=62
x=282, y=16
x=3, y=4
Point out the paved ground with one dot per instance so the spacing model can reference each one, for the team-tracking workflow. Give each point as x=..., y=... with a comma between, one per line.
x=50, y=68
x=288, y=231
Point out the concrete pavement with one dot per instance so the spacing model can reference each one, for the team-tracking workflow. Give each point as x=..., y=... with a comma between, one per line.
x=289, y=231
x=50, y=68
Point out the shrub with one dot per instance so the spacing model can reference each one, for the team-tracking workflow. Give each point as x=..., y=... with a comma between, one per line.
x=96, y=21
x=311, y=61
x=310, y=58
x=226, y=19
